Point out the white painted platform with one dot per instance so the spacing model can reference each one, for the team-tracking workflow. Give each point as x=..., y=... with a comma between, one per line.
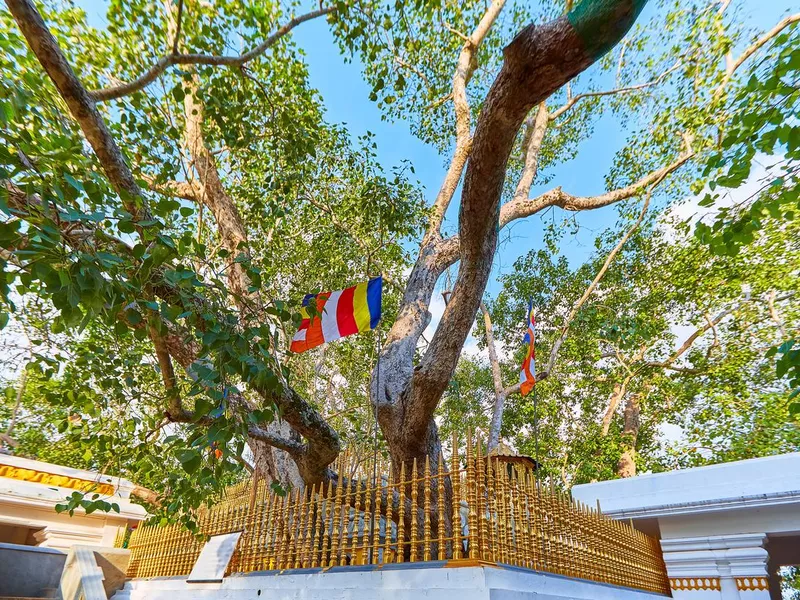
x=431, y=581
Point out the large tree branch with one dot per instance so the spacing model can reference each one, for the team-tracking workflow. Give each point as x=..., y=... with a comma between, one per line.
x=174, y=58
x=572, y=101
x=613, y=403
x=323, y=442
x=448, y=250
x=294, y=448
x=532, y=145
x=465, y=67
x=734, y=65
x=81, y=105
x=538, y=61
x=185, y=190
x=525, y=207
x=593, y=285
x=691, y=339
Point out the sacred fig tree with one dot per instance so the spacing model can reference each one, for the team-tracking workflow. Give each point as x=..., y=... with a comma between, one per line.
x=166, y=196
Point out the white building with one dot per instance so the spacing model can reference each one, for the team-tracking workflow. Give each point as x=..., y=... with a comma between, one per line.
x=725, y=529
x=29, y=491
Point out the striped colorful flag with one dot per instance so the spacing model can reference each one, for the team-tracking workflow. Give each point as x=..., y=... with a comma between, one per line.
x=341, y=313
x=527, y=374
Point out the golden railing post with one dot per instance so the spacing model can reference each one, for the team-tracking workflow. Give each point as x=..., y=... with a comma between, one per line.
x=602, y=572
x=311, y=519
x=304, y=530
x=316, y=533
x=119, y=538
x=144, y=551
x=338, y=511
x=508, y=536
x=495, y=480
x=574, y=535
x=269, y=529
x=256, y=553
x=152, y=552
x=563, y=518
x=556, y=537
x=387, y=531
x=155, y=548
x=315, y=521
x=472, y=503
x=518, y=525
x=441, y=523
x=364, y=539
x=374, y=551
x=608, y=540
x=426, y=509
x=286, y=534
x=266, y=531
x=276, y=532
x=533, y=522
x=512, y=551
x=401, y=521
x=455, y=481
x=285, y=537
x=546, y=523
x=357, y=512
x=493, y=517
x=483, y=503
x=564, y=532
x=324, y=556
x=534, y=516
x=297, y=531
x=414, y=512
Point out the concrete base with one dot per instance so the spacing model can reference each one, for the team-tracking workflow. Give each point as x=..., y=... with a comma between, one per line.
x=429, y=581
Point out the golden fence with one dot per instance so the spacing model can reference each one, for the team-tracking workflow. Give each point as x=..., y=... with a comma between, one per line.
x=482, y=509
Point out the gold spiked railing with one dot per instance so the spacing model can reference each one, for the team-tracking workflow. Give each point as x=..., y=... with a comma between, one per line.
x=478, y=509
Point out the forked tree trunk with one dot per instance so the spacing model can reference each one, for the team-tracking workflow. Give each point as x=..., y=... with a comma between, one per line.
x=537, y=62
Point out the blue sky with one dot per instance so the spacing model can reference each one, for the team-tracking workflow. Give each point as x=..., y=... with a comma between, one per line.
x=346, y=95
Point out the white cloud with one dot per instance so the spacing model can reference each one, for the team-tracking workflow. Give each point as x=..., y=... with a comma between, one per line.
x=765, y=167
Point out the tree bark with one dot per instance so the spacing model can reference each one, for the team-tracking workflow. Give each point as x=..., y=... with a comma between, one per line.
x=627, y=461
x=613, y=403
x=497, y=379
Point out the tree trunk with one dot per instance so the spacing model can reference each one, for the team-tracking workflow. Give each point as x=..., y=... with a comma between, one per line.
x=497, y=379
x=613, y=403
x=274, y=464
x=536, y=63
x=627, y=462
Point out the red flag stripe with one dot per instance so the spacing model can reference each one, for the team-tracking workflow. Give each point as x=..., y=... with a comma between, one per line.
x=344, y=313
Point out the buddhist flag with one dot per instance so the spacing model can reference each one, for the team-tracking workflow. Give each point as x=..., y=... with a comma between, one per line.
x=341, y=313
x=527, y=374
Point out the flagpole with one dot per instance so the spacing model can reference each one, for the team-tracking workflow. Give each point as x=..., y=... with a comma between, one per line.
x=375, y=433
x=536, y=432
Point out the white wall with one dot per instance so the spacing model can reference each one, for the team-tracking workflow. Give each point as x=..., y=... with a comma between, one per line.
x=387, y=583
